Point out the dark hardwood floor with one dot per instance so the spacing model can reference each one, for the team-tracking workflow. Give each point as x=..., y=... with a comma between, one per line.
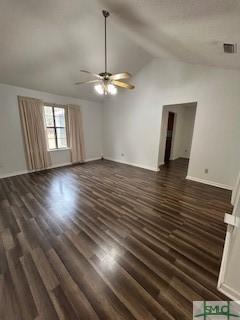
x=109, y=241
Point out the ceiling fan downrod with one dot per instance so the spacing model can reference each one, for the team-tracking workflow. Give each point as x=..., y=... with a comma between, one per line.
x=106, y=14
x=106, y=82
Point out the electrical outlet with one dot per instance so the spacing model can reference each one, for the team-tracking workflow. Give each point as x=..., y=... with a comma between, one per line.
x=206, y=170
x=122, y=154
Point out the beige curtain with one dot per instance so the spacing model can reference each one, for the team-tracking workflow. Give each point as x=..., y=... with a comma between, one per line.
x=76, y=139
x=31, y=115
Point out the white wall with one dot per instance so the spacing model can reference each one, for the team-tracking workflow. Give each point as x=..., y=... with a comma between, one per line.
x=12, y=157
x=229, y=280
x=187, y=131
x=182, y=131
x=132, y=120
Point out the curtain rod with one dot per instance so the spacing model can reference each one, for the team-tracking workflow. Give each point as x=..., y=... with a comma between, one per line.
x=49, y=104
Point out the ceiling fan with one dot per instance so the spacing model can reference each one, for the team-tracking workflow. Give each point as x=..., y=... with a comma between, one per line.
x=107, y=83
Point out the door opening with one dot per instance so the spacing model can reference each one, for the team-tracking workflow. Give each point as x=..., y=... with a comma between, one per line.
x=176, y=135
x=170, y=126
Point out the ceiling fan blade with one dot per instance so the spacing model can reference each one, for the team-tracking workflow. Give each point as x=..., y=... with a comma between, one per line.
x=84, y=82
x=93, y=74
x=118, y=76
x=123, y=84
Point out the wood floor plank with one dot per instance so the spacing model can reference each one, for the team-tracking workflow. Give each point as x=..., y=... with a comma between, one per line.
x=39, y=292
x=79, y=302
x=107, y=241
x=27, y=305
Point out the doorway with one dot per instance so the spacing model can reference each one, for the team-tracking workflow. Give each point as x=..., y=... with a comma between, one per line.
x=169, y=137
x=177, y=127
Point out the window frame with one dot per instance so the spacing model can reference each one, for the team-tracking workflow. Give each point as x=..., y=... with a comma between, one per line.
x=54, y=127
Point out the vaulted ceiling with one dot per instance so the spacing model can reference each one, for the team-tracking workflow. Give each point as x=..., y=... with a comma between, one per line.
x=44, y=44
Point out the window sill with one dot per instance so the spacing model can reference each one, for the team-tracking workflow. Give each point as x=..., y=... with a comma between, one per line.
x=60, y=149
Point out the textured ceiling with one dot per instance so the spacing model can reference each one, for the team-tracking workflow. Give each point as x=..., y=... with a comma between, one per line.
x=45, y=43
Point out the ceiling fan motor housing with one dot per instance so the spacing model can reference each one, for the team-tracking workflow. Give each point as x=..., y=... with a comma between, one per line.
x=105, y=13
x=105, y=75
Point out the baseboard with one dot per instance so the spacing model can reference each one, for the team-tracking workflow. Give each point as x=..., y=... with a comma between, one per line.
x=17, y=173
x=132, y=164
x=209, y=182
x=93, y=159
x=13, y=174
x=57, y=166
x=229, y=292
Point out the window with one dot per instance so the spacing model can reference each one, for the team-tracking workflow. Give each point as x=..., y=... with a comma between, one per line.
x=55, y=127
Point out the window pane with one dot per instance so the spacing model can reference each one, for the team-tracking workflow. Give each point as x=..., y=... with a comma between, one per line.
x=59, y=117
x=61, y=137
x=55, y=118
x=51, y=138
x=48, y=116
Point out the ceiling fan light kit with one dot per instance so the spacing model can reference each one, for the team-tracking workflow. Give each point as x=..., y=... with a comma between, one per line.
x=105, y=82
x=103, y=89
